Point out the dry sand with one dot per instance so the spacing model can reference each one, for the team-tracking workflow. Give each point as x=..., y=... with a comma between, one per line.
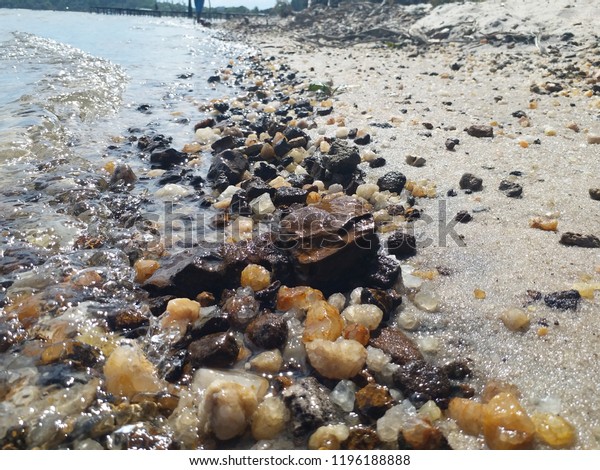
x=503, y=256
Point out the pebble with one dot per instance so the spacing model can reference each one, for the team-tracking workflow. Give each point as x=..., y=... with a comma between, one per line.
x=511, y=189
x=421, y=382
x=367, y=190
x=396, y=344
x=479, y=294
x=554, y=430
x=577, y=239
x=342, y=132
x=480, y=131
x=297, y=297
x=366, y=315
x=430, y=412
x=172, y=191
x=362, y=439
x=408, y=321
x=269, y=419
x=426, y=301
x=573, y=126
x=377, y=359
x=268, y=331
x=342, y=359
x=323, y=321
x=564, y=300
x=593, y=138
x=144, y=268
x=541, y=223
x=506, y=425
x=401, y=244
x=337, y=300
x=180, y=313
x=328, y=437
x=343, y=395
x=415, y=161
x=463, y=217
x=214, y=350
x=256, y=277
x=373, y=400
x=128, y=372
x=356, y=332
x=268, y=362
x=393, y=182
x=262, y=205
x=450, y=143
x=595, y=193
x=471, y=182
x=515, y=319
x=468, y=414
x=392, y=422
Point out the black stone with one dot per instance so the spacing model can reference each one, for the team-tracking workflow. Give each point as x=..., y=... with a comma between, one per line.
x=519, y=114
x=167, y=158
x=221, y=106
x=421, y=382
x=393, y=181
x=595, y=193
x=286, y=196
x=386, y=300
x=382, y=273
x=265, y=171
x=214, y=79
x=451, y=143
x=363, y=140
x=268, y=331
x=480, y=131
x=463, y=217
x=342, y=158
x=401, y=245
x=255, y=187
x=214, y=350
x=226, y=143
x=471, y=182
x=310, y=406
x=577, y=239
x=564, y=300
x=281, y=148
x=377, y=162
x=230, y=164
x=511, y=189
x=241, y=307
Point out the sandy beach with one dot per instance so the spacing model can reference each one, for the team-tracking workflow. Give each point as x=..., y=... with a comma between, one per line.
x=544, y=139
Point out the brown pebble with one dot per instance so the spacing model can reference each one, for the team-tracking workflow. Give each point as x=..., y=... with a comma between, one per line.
x=373, y=400
x=362, y=439
x=395, y=343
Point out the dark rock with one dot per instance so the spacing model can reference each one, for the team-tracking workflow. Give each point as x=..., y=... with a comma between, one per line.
x=265, y=171
x=239, y=205
x=552, y=87
x=595, y=194
x=299, y=181
x=373, y=400
x=126, y=318
x=167, y=158
x=292, y=133
x=564, y=300
x=214, y=79
x=427, y=125
x=324, y=111
x=451, y=143
x=519, y=114
x=230, y=164
x=310, y=406
x=123, y=174
x=20, y=256
x=382, y=272
x=511, y=189
x=396, y=344
x=415, y=161
x=386, y=300
x=209, y=122
x=71, y=351
x=221, y=106
x=286, y=196
x=363, y=140
x=470, y=182
x=215, y=321
x=255, y=187
x=226, y=143
x=377, y=162
x=577, y=239
x=463, y=217
x=393, y=181
x=298, y=142
x=455, y=66
x=144, y=108
x=480, y=131
x=457, y=370
x=362, y=439
x=214, y=350
x=241, y=307
x=268, y=331
x=342, y=158
x=268, y=296
x=401, y=244
x=451, y=193
x=253, y=151
x=330, y=242
x=422, y=435
x=282, y=147
x=11, y=333
x=421, y=382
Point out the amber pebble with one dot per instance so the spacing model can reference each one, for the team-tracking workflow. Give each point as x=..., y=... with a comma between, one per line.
x=421, y=435
x=467, y=414
x=256, y=277
x=323, y=321
x=373, y=400
x=72, y=351
x=180, y=311
x=554, y=430
x=128, y=372
x=506, y=425
x=357, y=332
x=29, y=310
x=144, y=268
x=313, y=198
x=540, y=223
x=479, y=294
x=297, y=297
x=494, y=387
x=362, y=439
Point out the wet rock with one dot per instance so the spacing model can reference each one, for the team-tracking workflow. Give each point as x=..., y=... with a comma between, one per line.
x=419, y=434
x=373, y=400
x=214, y=350
x=367, y=315
x=415, y=161
x=362, y=439
x=328, y=437
x=577, y=239
x=471, y=182
x=230, y=164
x=226, y=143
x=505, y=424
x=270, y=419
x=386, y=300
x=342, y=359
x=393, y=181
x=309, y=405
x=564, y=300
x=401, y=244
x=480, y=131
x=421, y=382
x=241, y=307
x=342, y=158
x=457, y=370
x=265, y=171
x=208, y=122
x=71, y=351
x=255, y=187
x=268, y=331
x=397, y=345
x=122, y=174
x=167, y=158
x=595, y=194
x=323, y=321
x=511, y=189
x=286, y=196
x=11, y=333
x=336, y=235
x=554, y=430
x=221, y=106
x=451, y=143
x=382, y=272
x=463, y=217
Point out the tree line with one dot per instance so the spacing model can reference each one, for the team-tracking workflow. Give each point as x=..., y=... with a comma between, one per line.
x=85, y=5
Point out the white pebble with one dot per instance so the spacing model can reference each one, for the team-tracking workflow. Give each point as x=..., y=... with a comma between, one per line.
x=427, y=301
x=342, y=132
x=338, y=300
x=408, y=321
x=367, y=315
x=343, y=395
x=355, y=296
x=262, y=205
x=335, y=188
x=366, y=190
x=172, y=191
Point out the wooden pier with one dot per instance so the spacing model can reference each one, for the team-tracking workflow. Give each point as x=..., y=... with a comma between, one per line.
x=206, y=14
